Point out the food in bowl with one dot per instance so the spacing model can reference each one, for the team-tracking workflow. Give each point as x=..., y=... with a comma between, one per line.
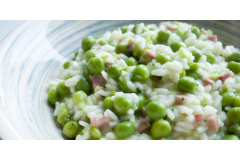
x=167, y=81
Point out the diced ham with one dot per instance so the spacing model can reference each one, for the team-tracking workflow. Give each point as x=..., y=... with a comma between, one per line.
x=180, y=99
x=213, y=38
x=208, y=81
x=97, y=80
x=130, y=46
x=96, y=46
x=172, y=27
x=108, y=64
x=144, y=113
x=203, y=31
x=212, y=121
x=150, y=53
x=162, y=139
x=100, y=121
x=142, y=125
x=198, y=119
x=225, y=76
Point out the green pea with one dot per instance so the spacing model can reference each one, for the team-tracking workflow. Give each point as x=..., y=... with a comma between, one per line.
x=108, y=103
x=124, y=29
x=63, y=115
x=83, y=84
x=160, y=129
x=123, y=84
x=114, y=71
x=96, y=65
x=134, y=29
x=236, y=101
x=124, y=130
x=86, y=72
x=233, y=115
x=163, y=58
x=95, y=132
x=163, y=36
x=122, y=48
x=67, y=64
x=141, y=103
x=90, y=53
x=193, y=66
x=175, y=46
x=235, y=56
x=183, y=73
x=53, y=96
x=103, y=42
x=197, y=54
x=196, y=31
x=192, y=74
x=156, y=110
x=210, y=57
x=131, y=61
x=79, y=96
x=227, y=99
x=186, y=84
x=75, y=54
x=185, y=35
x=122, y=104
x=113, y=44
x=88, y=42
x=230, y=137
x=234, y=130
x=141, y=73
x=71, y=129
x=62, y=89
x=234, y=66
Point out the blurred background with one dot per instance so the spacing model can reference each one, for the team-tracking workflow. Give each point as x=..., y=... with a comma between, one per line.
x=6, y=27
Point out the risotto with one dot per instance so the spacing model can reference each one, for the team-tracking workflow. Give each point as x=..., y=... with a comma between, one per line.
x=170, y=81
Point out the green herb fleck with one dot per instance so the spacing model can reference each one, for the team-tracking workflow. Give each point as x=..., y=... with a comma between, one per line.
x=197, y=84
x=152, y=64
x=183, y=98
x=138, y=90
x=204, y=121
x=173, y=110
x=204, y=105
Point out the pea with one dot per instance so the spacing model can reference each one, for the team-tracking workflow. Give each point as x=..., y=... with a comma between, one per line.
x=90, y=53
x=137, y=52
x=156, y=110
x=141, y=103
x=233, y=115
x=122, y=48
x=163, y=58
x=122, y=104
x=186, y=84
x=53, y=96
x=227, y=99
x=124, y=130
x=86, y=72
x=234, y=66
x=71, y=129
x=175, y=46
x=108, y=103
x=114, y=71
x=124, y=29
x=131, y=61
x=103, y=42
x=183, y=73
x=235, y=56
x=210, y=57
x=87, y=43
x=79, y=96
x=160, y=129
x=196, y=31
x=123, y=84
x=234, y=130
x=134, y=29
x=192, y=74
x=197, y=54
x=83, y=84
x=236, y=101
x=61, y=114
x=67, y=64
x=113, y=44
x=95, y=132
x=193, y=66
x=185, y=35
x=230, y=137
x=96, y=65
x=163, y=36
x=62, y=89
x=75, y=54
x=141, y=73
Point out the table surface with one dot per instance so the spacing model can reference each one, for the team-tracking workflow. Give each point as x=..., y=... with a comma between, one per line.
x=6, y=26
